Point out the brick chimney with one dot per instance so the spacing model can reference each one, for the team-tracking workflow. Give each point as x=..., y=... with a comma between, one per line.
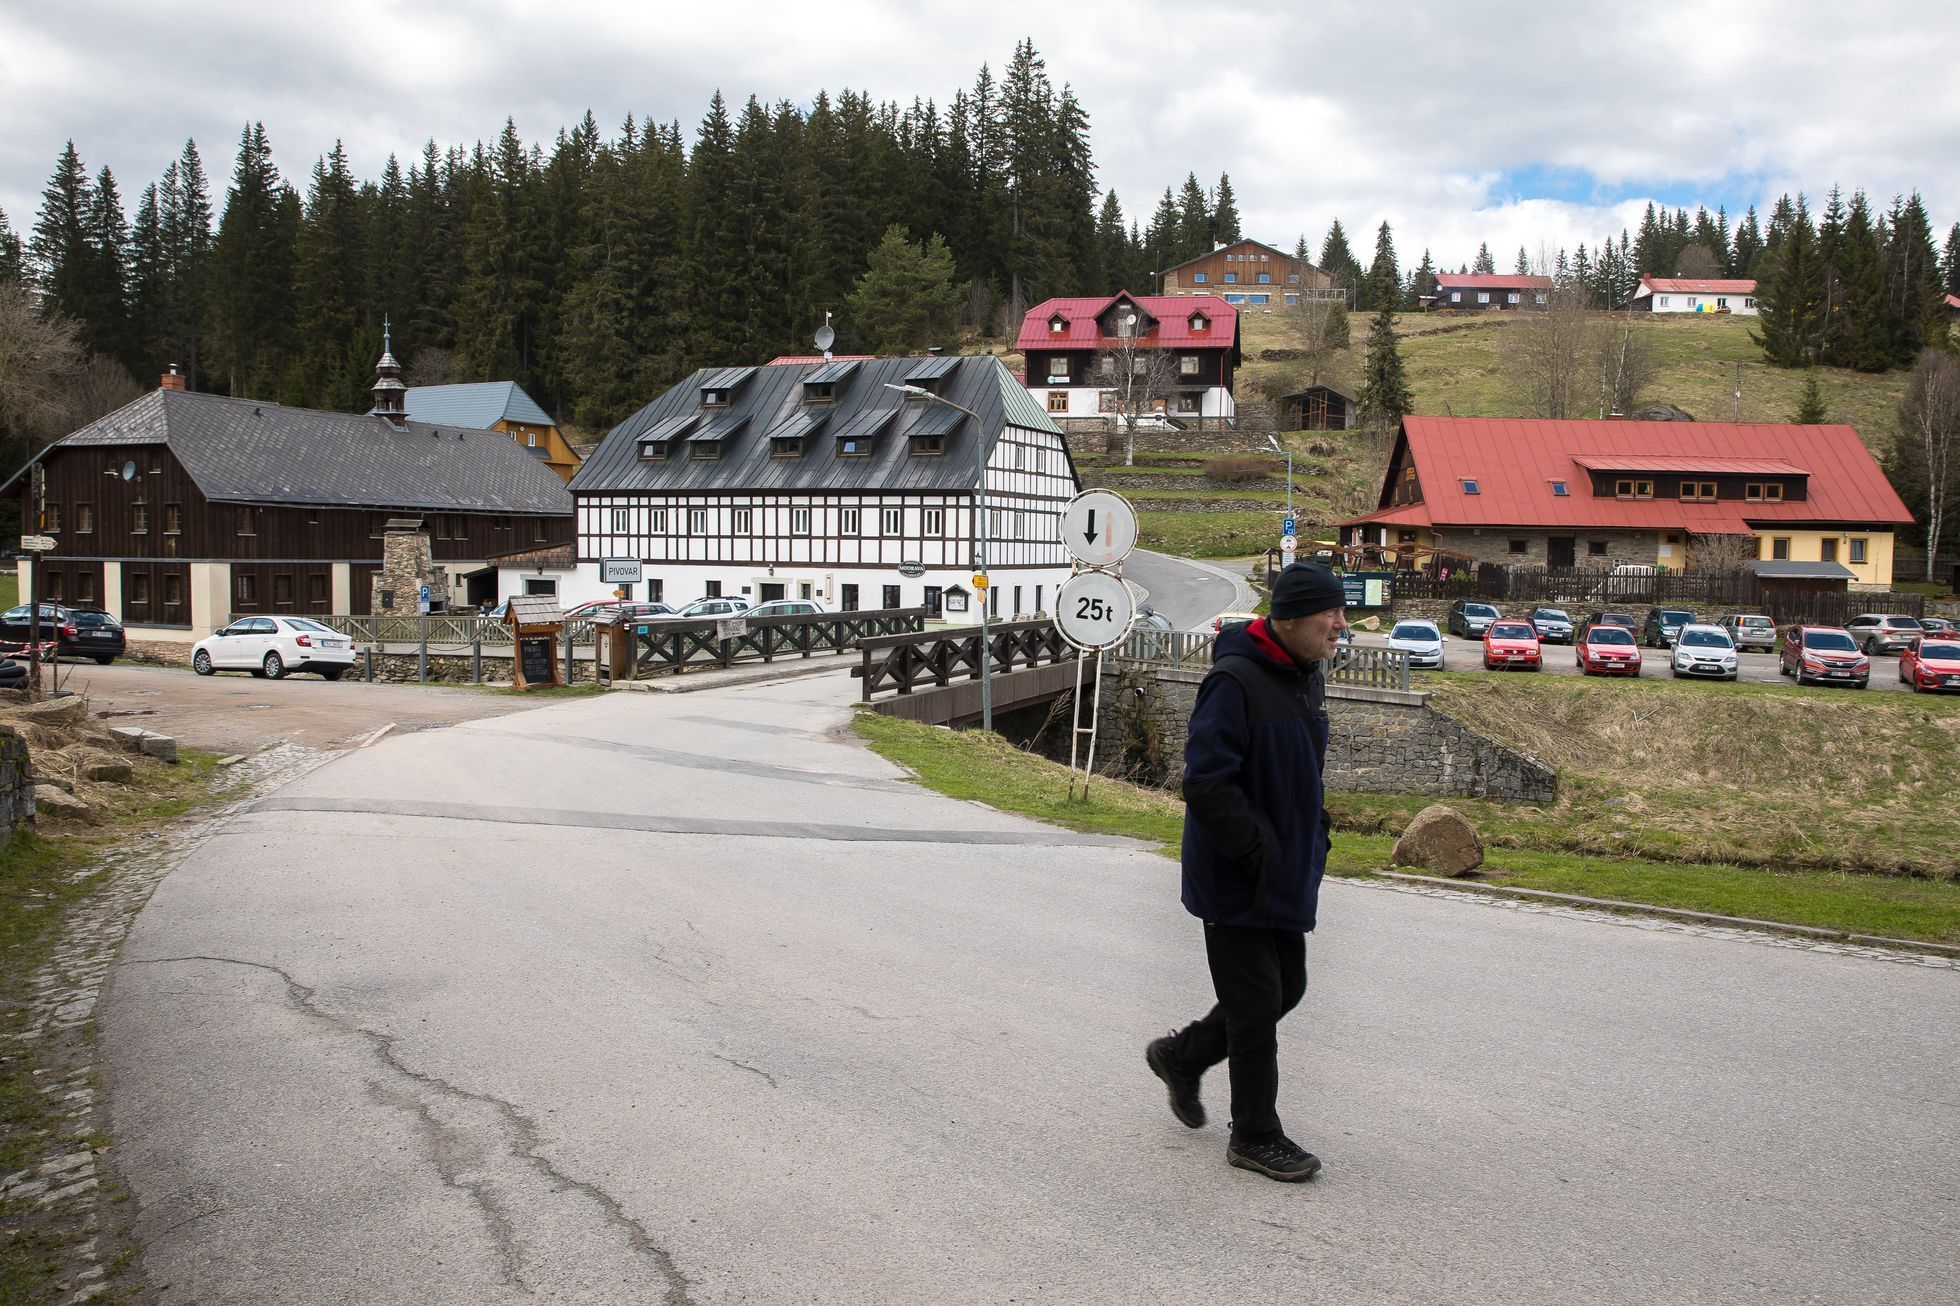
x=172, y=380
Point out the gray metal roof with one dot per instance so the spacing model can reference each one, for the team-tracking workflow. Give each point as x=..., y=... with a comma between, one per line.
x=931, y=369
x=1774, y=570
x=479, y=404
x=250, y=451
x=831, y=372
x=862, y=407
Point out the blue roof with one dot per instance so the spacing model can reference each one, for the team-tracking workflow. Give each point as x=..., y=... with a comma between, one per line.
x=480, y=404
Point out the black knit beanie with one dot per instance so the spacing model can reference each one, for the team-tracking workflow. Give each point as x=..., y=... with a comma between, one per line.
x=1305, y=588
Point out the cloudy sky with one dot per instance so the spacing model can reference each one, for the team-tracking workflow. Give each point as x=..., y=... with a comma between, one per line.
x=1531, y=125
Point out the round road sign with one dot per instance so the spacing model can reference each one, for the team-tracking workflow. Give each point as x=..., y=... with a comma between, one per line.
x=1099, y=528
x=1094, y=610
x=1288, y=543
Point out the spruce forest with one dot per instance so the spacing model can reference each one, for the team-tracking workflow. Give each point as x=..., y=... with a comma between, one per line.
x=599, y=270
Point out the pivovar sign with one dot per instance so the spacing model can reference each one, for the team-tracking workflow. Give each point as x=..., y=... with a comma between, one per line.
x=1094, y=610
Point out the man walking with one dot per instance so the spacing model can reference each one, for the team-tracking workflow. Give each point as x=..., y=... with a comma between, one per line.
x=1255, y=845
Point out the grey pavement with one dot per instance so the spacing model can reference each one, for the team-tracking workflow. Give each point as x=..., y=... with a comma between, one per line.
x=761, y=1022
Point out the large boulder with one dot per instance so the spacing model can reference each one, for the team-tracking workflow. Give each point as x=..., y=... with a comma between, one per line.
x=59, y=805
x=1440, y=840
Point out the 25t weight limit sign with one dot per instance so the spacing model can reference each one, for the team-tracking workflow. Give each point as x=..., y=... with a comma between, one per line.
x=1094, y=610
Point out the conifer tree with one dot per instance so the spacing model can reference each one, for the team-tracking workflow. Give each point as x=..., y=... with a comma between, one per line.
x=11, y=253
x=1650, y=247
x=1160, y=243
x=333, y=374
x=1224, y=214
x=1810, y=408
x=58, y=255
x=1949, y=261
x=1914, y=303
x=1484, y=265
x=1748, y=246
x=1789, y=299
x=1338, y=261
x=105, y=325
x=1193, y=221
x=1524, y=263
x=905, y=300
x=1384, y=398
x=149, y=281
x=251, y=281
x=1423, y=283
x=1864, y=336
x=1384, y=277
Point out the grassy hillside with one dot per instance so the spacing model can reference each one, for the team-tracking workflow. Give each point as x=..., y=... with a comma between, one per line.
x=1456, y=367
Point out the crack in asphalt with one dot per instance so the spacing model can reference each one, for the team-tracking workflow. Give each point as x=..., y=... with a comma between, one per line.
x=527, y=1142
x=753, y=1070
x=587, y=820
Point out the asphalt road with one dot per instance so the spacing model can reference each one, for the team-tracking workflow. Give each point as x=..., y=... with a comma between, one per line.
x=1187, y=591
x=689, y=999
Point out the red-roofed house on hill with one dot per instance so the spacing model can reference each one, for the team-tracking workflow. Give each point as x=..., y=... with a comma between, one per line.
x=1072, y=347
x=1472, y=291
x=1695, y=295
x=1566, y=494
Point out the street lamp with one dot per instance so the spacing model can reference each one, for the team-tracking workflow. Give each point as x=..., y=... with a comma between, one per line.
x=980, y=549
x=1272, y=442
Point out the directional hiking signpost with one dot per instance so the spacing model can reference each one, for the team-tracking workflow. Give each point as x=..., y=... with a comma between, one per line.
x=1095, y=607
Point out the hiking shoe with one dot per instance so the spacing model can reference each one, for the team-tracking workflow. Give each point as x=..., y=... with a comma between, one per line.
x=1184, y=1087
x=1278, y=1157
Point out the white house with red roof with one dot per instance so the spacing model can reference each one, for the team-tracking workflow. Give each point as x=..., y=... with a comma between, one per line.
x=1072, y=349
x=1695, y=295
x=1569, y=494
x=1471, y=291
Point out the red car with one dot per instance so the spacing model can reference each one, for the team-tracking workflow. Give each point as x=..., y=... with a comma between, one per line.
x=1823, y=655
x=1607, y=651
x=1929, y=663
x=1511, y=644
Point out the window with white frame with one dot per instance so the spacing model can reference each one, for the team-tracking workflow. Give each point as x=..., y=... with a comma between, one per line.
x=890, y=521
x=1188, y=364
x=847, y=521
x=697, y=521
x=1483, y=297
x=657, y=520
x=621, y=520
x=934, y=522
x=799, y=521
x=744, y=521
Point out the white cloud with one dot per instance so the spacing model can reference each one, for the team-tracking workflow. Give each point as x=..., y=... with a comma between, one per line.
x=1418, y=112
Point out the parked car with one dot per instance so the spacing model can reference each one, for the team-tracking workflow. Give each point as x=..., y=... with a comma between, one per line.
x=1624, y=620
x=76, y=632
x=1938, y=626
x=1554, y=625
x=1825, y=655
x=715, y=607
x=1749, y=630
x=1151, y=634
x=620, y=609
x=1662, y=625
x=1511, y=644
x=1607, y=649
x=1226, y=620
x=272, y=646
x=1421, y=641
x=786, y=608
x=1930, y=663
x=1701, y=650
x=1471, y=619
x=1883, y=632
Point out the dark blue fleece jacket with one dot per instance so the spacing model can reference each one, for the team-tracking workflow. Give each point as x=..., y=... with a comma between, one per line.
x=1255, y=831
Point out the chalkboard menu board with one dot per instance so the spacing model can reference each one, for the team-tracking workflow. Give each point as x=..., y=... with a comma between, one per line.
x=538, y=660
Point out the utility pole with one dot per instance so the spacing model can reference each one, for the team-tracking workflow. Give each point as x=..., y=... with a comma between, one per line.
x=1738, y=392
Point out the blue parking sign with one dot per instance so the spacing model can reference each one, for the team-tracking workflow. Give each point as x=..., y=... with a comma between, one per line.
x=1286, y=526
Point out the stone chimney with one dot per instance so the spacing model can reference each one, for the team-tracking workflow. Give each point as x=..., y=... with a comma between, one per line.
x=172, y=380
x=390, y=395
x=407, y=565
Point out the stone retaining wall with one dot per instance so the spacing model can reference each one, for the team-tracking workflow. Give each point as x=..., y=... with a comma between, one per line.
x=1379, y=741
x=16, y=784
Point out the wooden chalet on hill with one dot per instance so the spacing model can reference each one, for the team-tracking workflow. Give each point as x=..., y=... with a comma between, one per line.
x=807, y=479
x=181, y=509
x=1473, y=292
x=1072, y=348
x=1249, y=273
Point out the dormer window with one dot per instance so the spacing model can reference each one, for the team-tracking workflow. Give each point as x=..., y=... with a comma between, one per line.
x=789, y=448
x=819, y=392
x=927, y=445
x=657, y=439
x=854, y=446
x=1199, y=323
x=1058, y=325
x=714, y=398
x=653, y=451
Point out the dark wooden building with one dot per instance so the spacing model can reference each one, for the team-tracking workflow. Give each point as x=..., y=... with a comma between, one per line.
x=180, y=509
x=1317, y=408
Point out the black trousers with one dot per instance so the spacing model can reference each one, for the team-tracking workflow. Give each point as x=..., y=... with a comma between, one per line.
x=1259, y=976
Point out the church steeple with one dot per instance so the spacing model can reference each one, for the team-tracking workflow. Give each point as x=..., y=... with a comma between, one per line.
x=390, y=395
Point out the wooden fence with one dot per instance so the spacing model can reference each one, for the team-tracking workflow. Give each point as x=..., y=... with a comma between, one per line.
x=902, y=663
x=663, y=646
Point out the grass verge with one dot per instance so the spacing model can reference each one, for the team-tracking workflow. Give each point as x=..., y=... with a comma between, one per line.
x=971, y=765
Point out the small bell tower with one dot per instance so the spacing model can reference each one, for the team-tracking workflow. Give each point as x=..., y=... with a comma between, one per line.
x=390, y=395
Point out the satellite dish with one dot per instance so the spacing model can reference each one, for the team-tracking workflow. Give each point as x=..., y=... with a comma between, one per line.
x=129, y=470
x=825, y=336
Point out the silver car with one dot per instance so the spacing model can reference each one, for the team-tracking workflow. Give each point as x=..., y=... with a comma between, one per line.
x=1750, y=630
x=1421, y=640
x=1701, y=650
x=1883, y=632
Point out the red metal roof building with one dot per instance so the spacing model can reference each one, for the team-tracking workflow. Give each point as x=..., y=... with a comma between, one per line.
x=1695, y=295
x=1598, y=493
x=1070, y=347
x=1461, y=290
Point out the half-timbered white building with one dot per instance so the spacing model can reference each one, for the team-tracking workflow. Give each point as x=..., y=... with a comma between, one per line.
x=816, y=480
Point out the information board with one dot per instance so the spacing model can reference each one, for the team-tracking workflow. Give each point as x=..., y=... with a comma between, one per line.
x=1368, y=589
x=619, y=571
x=539, y=659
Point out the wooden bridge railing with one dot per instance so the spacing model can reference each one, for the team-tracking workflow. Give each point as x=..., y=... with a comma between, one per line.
x=903, y=663
x=663, y=646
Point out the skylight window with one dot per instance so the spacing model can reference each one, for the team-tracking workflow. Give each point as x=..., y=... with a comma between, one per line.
x=1470, y=486
x=1558, y=490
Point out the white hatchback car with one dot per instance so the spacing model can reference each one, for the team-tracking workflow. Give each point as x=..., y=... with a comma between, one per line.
x=1704, y=651
x=273, y=646
x=1421, y=640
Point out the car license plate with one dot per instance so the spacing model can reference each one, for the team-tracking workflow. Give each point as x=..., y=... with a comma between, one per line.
x=1842, y=675
x=333, y=643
